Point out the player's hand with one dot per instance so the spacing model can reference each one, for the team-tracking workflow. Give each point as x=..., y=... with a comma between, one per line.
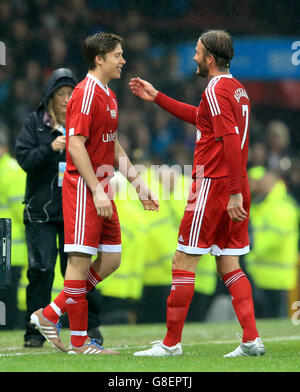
x=59, y=143
x=147, y=198
x=235, y=208
x=143, y=89
x=102, y=203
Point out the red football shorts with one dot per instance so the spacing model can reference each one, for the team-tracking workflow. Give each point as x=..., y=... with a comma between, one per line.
x=206, y=226
x=85, y=231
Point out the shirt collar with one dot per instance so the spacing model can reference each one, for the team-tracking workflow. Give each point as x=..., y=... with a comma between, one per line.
x=104, y=88
x=229, y=76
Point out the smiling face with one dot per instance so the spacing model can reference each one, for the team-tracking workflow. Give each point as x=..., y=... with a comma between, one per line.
x=110, y=65
x=202, y=60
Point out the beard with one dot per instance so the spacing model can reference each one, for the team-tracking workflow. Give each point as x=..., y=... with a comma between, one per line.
x=202, y=70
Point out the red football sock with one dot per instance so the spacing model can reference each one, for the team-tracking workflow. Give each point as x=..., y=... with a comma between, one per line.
x=241, y=293
x=178, y=304
x=92, y=280
x=77, y=309
x=58, y=307
x=53, y=311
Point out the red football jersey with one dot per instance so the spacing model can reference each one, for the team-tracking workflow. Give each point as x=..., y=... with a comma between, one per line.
x=224, y=109
x=93, y=112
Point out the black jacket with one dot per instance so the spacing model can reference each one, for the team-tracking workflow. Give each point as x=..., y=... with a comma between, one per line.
x=34, y=153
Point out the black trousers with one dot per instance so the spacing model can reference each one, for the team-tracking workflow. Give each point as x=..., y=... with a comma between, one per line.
x=44, y=242
x=270, y=303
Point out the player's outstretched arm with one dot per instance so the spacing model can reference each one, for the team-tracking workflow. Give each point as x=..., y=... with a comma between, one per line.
x=147, y=92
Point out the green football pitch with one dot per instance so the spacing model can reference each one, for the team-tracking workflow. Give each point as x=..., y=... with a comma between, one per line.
x=204, y=345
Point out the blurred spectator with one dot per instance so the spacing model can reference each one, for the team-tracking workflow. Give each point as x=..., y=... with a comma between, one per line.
x=19, y=106
x=278, y=141
x=257, y=154
x=175, y=75
x=160, y=238
x=120, y=295
x=272, y=262
x=167, y=132
x=20, y=40
x=6, y=17
x=58, y=51
x=142, y=151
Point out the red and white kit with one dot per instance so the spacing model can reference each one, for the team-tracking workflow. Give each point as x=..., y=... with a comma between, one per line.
x=220, y=168
x=92, y=112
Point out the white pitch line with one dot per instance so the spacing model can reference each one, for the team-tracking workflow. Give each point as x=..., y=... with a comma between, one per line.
x=275, y=339
x=21, y=354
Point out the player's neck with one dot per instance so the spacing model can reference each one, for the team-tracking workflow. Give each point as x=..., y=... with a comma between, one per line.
x=98, y=75
x=215, y=72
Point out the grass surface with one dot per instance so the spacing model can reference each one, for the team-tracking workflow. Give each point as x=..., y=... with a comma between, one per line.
x=204, y=345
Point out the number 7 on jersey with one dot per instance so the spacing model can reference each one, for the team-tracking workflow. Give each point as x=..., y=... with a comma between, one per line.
x=245, y=112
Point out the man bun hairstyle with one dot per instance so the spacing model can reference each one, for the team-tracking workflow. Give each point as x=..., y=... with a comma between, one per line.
x=99, y=44
x=218, y=43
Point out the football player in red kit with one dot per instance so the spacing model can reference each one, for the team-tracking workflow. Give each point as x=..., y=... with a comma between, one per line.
x=217, y=213
x=90, y=217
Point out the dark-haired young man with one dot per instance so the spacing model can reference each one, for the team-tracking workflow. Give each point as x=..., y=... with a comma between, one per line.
x=90, y=216
x=217, y=212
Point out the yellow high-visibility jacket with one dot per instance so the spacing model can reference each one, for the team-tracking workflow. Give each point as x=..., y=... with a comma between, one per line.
x=12, y=190
x=127, y=281
x=272, y=261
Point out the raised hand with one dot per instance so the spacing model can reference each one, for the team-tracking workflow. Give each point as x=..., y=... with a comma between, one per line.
x=143, y=89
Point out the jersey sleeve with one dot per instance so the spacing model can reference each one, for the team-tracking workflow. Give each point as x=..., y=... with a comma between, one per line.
x=80, y=113
x=222, y=113
x=179, y=109
x=233, y=158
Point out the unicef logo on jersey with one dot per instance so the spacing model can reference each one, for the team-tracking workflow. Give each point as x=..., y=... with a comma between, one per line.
x=108, y=137
x=198, y=135
x=113, y=114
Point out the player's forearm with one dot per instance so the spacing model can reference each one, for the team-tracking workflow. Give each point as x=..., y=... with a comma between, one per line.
x=82, y=162
x=181, y=110
x=128, y=170
x=123, y=163
x=233, y=157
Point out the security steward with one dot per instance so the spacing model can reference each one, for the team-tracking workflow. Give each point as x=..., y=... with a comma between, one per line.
x=272, y=263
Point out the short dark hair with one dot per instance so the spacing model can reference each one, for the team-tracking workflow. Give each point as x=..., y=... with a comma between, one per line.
x=218, y=43
x=99, y=44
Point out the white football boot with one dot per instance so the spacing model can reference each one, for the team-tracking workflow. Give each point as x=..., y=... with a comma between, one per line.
x=160, y=350
x=252, y=348
x=49, y=330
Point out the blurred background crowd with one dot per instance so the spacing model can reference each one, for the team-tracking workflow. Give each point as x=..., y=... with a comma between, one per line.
x=42, y=35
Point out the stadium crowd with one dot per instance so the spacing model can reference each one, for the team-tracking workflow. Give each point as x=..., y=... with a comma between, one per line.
x=42, y=35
